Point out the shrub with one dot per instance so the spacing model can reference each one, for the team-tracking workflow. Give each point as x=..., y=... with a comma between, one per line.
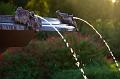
x=7, y=8
x=93, y=71
x=21, y=66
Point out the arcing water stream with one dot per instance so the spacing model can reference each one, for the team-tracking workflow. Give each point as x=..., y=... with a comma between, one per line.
x=106, y=44
x=67, y=44
x=71, y=49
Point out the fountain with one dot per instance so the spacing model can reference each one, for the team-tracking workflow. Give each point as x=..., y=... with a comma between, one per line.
x=71, y=49
x=21, y=29
x=106, y=44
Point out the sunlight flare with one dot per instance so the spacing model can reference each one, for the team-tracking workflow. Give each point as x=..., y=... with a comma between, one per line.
x=113, y=1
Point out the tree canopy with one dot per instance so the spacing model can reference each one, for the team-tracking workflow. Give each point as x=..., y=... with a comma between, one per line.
x=88, y=9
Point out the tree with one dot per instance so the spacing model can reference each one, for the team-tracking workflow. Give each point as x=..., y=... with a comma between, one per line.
x=39, y=6
x=91, y=9
x=7, y=8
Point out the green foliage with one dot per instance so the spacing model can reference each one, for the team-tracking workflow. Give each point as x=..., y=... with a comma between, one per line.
x=95, y=70
x=89, y=52
x=92, y=9
x=20, y=66
x=51, y=59
x=6, y=8
x=110, y=31
x=86, y=48
x=67, y=74
x=47, y=56
x=39, y=6
x=52, y=51
x=42, y=35
x=89, y=10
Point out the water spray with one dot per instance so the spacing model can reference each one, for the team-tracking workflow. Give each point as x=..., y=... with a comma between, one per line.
x=67, y=44
x=106, y=44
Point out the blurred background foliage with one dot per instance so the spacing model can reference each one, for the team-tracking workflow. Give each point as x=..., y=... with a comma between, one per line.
x=92, y=9
x=47, y=57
